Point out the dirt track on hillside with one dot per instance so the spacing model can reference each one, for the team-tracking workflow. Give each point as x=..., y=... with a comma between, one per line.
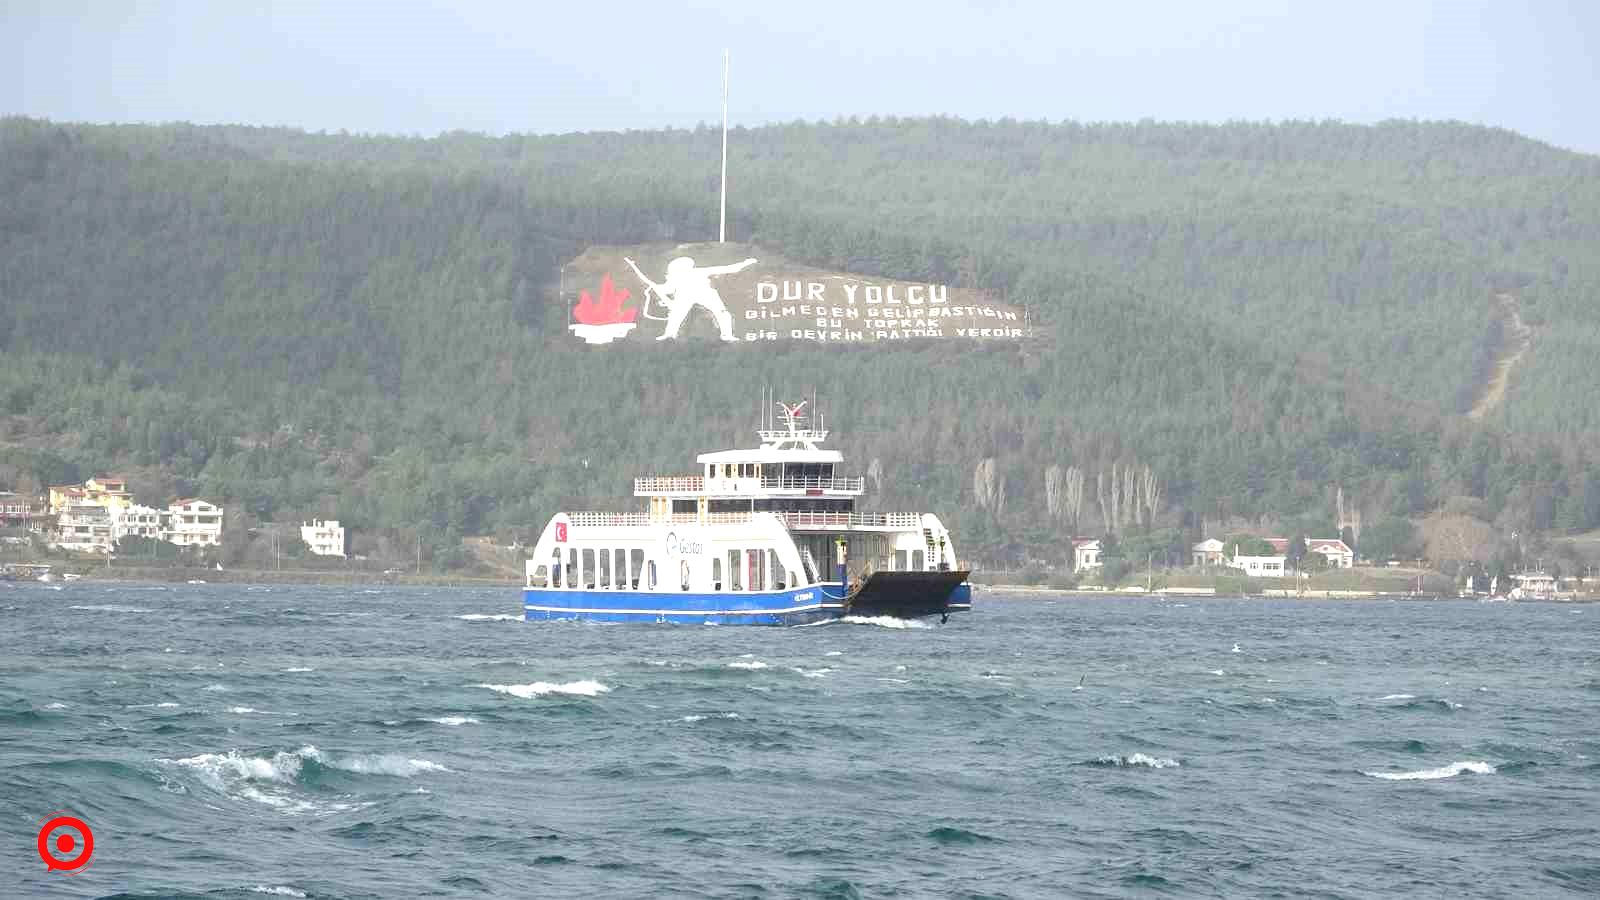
x=1519, y=337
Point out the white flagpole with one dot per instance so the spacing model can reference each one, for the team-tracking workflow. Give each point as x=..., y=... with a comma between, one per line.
x=722, y=228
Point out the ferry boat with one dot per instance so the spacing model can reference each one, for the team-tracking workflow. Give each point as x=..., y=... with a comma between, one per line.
x=765, y=536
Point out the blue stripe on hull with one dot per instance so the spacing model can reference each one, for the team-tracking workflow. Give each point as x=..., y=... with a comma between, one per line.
x=792, y=607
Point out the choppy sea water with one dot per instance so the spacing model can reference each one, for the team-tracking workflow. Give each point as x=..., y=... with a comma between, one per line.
x=230, y=741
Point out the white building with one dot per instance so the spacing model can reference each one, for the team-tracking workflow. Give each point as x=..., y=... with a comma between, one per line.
x=193, y=523
x=1260, y=566
x=324, y=538
x=1207, y=553
x=1085, y=555
x=136, y=521
x=84, y=527
x=1335, y=551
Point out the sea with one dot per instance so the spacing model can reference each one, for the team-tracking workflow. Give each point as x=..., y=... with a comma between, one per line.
x=236, y=741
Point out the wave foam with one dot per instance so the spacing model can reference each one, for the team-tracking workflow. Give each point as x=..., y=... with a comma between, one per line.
x=885, y=622
x=1397, y=697
x=56, y=705
x=454, y=720
x=748, y=664
x=300, y=669
x=585, y=688
x=489, y=617
x=285, y=766
x=726, y=715
x=279, y=891
x=1450, y=771
x=380, y=764
x=111, y=607
x=813, y=673
x=1139, y=759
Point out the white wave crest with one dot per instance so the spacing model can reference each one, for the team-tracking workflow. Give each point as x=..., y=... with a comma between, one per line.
x=885, y=622
x=379, y=764
x=57, y=705
x=234, y=771
x=834, y=653
x=585, y=688
x=726, y=715
x=1397, y=697
x=748, y=664
x=279, y=891
x=300, y=669
x=1139, y=759
x=218, y=769
x=243, y=710
x=217, y=688
x=489, y=617
x=812, y=673
x=1450, y=771
x=111, y=607
x=454, y=720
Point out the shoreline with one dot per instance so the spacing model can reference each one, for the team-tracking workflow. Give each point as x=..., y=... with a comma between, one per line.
x=1274, y=594
x=130, y=575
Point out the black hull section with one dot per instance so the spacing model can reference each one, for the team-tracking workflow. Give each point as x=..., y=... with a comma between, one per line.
x=910, y=595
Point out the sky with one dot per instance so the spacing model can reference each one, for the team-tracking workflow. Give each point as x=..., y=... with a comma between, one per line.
x=421, y=67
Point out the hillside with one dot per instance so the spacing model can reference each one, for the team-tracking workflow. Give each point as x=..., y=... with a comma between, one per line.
x=369, y=327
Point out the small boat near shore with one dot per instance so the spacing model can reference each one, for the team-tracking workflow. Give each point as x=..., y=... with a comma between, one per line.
x=763, y=536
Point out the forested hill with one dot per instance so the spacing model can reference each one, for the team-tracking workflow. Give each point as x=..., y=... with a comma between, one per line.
x=369, y=327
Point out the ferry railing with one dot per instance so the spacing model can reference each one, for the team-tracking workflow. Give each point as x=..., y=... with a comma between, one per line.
x=814, y=483
x=696, y=484
x=660, y=484
x=801, y=519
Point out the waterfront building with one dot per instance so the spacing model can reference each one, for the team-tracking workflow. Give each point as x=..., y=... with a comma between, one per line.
x=1085, y=555
x=193, y=523
x=325, y=538
x=84, y=527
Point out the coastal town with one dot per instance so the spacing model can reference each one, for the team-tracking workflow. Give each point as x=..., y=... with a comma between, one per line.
x=97, y=519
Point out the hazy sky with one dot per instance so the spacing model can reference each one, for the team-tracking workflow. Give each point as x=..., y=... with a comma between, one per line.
x=418, y=67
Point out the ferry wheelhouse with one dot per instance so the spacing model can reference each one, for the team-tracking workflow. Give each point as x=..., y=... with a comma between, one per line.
x=766, y=536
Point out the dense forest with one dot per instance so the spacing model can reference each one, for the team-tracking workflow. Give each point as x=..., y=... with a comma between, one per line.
x=1264, y=322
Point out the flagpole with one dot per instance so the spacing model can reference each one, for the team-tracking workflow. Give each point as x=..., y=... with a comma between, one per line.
x=722, y=228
